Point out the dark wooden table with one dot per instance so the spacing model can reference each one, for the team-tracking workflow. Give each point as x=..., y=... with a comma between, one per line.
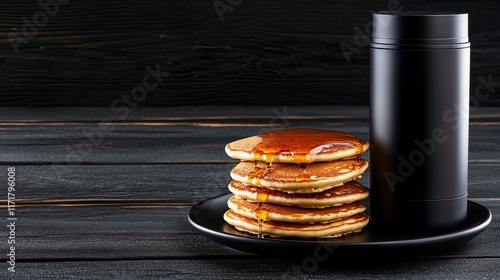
x=103, y=195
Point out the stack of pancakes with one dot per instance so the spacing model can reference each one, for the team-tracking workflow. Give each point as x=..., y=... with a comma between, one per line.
x=298, y=183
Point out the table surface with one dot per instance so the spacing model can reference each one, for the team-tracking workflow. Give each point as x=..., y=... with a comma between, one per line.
x=103, y=193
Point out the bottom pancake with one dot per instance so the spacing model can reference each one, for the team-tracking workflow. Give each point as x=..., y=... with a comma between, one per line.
x=334, y=229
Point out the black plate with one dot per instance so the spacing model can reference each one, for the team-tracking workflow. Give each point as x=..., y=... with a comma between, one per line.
x=206, y=217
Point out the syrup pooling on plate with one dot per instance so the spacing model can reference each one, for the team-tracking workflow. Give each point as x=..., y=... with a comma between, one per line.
x=303, y=144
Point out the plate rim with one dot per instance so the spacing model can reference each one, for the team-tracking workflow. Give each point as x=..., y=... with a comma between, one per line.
x=214, y=234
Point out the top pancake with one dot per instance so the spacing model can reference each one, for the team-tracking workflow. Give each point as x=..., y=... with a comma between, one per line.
x=297, y=145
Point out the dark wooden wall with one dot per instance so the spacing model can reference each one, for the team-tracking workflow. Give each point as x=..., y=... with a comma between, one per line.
x=83, y=53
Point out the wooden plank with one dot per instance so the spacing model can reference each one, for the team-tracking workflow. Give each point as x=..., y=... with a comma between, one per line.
x=45, y=233
x=176, y=113
x=158, y=144
x=96, y=114
x=152, y=140
x=86, y=55
x=164, y=184
x=75, y=233
x=184, y=134
x=166, y=151
x=263, y=268
x=163, y=130
x=56, y=132
x=186, y=184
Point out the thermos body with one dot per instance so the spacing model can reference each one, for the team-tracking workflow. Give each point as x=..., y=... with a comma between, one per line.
x=419, y=122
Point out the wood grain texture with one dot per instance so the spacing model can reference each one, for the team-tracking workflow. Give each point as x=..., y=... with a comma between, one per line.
x=91, y=53
x=236, y=268
x=121, y=211
x=163, y=185
x=193, y=134
x=161, y=151
x=85, y=233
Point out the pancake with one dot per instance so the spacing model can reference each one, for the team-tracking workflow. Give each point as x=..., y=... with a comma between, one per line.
x=281, y=213
x=293, y=178
x=299, y=183
x=283, y=229
x=297, y=145
x=349, y=192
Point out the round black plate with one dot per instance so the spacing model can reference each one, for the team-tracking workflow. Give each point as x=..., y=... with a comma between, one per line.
x=206, y=217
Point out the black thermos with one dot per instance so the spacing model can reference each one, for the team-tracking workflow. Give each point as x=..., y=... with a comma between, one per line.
x=419, y=121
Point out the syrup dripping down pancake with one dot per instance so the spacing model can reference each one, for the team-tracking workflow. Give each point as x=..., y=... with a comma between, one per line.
x=293, y=178
x=281, y=213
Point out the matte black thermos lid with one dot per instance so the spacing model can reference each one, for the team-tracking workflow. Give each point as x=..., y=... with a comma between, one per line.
x=420, y=29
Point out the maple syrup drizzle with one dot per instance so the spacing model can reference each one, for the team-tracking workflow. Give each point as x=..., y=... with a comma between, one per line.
x=303, y=175
x=303, y=144
x=261, y=196
x=254, y=176
x=258, y=172
x=259, y=232
x=260, y=212
x=261, y=216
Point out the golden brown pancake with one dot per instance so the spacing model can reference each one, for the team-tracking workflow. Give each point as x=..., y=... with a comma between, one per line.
x=293, y=178
x=349, y=192
x=297, y=145
x=281, y=213
x=298, y=182
x=283, y=229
